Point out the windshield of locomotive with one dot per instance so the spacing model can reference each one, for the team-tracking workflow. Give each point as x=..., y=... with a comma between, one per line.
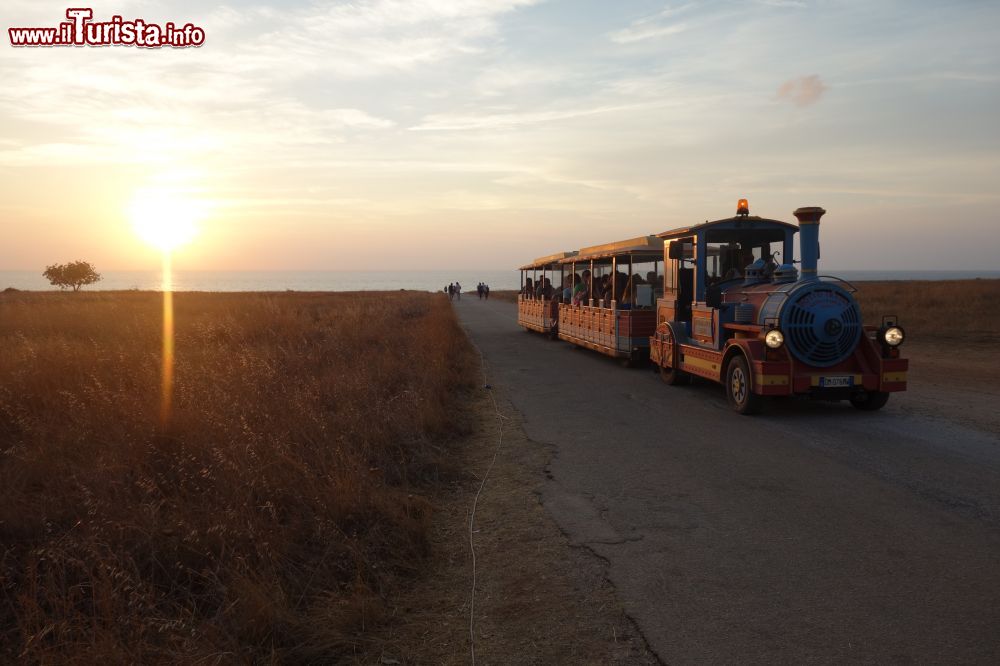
x=728, y=259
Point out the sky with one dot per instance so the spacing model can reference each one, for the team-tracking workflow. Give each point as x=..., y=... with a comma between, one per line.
x=430, y=134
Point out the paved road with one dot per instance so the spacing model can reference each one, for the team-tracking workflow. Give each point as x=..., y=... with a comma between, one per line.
x=814, y=533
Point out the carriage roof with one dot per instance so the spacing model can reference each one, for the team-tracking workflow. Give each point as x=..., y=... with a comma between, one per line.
x=650, y=246
x=546, y=261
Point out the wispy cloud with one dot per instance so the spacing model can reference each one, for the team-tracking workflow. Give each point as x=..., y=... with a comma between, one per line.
x=367, y=38
x=446, y=121
x=661, y=24
x=782, y=3
x=272, y=89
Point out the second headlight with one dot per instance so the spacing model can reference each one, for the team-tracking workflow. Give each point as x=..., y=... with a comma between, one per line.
x=774, y=339
x=893, y=336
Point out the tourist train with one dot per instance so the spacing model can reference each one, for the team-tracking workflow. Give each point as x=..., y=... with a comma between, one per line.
x=723, y=301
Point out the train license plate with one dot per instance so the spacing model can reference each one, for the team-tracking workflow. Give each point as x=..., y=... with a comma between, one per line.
x=830, y=382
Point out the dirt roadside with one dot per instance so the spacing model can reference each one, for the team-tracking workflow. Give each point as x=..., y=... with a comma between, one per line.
x=538, y=599
x=541, y=600
x=957, y=381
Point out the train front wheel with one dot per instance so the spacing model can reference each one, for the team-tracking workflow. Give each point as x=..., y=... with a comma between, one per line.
x=739, y=389
x=870, y=401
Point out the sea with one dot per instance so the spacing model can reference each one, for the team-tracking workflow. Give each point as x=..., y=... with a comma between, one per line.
x=394, y=280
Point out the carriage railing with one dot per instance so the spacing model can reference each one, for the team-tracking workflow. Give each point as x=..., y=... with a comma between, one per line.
x=610, y=327
x=539, y=313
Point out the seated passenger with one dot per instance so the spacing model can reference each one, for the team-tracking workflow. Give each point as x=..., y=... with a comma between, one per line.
x=604, y=290
x=528, y=291
x=621, y=285
x=770, y=265
x=739, y=270
x=581, y=291
x=636, y=281
x=546, y=290
x=567, y=292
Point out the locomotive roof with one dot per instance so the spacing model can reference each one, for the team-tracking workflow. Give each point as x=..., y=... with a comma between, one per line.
x=645, y=245
x=738, y=223
x=547, y=260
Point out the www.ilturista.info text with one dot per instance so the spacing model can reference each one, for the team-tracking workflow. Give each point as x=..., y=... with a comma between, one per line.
x=80, y=30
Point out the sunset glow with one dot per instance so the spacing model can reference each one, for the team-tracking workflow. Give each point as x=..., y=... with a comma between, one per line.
x=163, y=220
x=167, y=355
x=166, y=221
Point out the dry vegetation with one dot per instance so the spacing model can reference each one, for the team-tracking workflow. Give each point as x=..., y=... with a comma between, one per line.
x=268, y=523
x=954, y=310
x=508, y=295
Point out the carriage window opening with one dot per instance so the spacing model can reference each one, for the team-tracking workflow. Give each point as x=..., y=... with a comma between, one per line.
x=543, y=284
x=570, y=280
x=601, y=284
x=645, y=283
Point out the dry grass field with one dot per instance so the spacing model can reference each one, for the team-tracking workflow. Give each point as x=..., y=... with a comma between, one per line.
x=963, y=311
x=285, y=504
x=508, y=295
x=268, y=522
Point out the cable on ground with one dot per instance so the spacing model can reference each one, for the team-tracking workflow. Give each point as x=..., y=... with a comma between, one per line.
x=475, y=503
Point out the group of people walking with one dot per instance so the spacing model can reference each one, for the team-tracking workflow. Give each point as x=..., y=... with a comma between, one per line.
x=454, y=290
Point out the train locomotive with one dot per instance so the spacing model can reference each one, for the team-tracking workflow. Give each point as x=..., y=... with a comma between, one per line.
x=731, y=313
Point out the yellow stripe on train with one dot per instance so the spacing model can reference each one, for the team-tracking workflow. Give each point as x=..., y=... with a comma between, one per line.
x=770, y=380
x=704, y=364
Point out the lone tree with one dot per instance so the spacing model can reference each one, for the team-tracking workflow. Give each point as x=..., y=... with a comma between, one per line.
x=74, y=274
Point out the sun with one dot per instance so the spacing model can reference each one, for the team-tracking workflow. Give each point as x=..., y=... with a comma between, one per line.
x=163, y=219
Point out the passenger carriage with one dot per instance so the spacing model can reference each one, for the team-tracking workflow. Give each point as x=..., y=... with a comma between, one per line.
x=736, y=311
x=620, y=323
x=540, y=313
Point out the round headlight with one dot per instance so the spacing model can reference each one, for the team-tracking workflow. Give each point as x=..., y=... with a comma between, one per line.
x=893, y=336
x=774, y=339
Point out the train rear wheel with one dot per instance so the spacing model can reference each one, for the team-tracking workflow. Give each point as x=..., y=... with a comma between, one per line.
x=870, y=401
x=739, y=389
x=674, y=377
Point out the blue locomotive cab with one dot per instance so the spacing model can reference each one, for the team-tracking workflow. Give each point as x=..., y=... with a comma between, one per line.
x=708, y=260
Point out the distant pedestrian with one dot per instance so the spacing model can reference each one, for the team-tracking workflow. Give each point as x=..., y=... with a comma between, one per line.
x=479, y=290
x=486, y=291
x=458, y=290
x=451, y=291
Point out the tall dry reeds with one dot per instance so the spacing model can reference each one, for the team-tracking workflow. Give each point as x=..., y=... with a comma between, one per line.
x=963, y=311
x=271, y=518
